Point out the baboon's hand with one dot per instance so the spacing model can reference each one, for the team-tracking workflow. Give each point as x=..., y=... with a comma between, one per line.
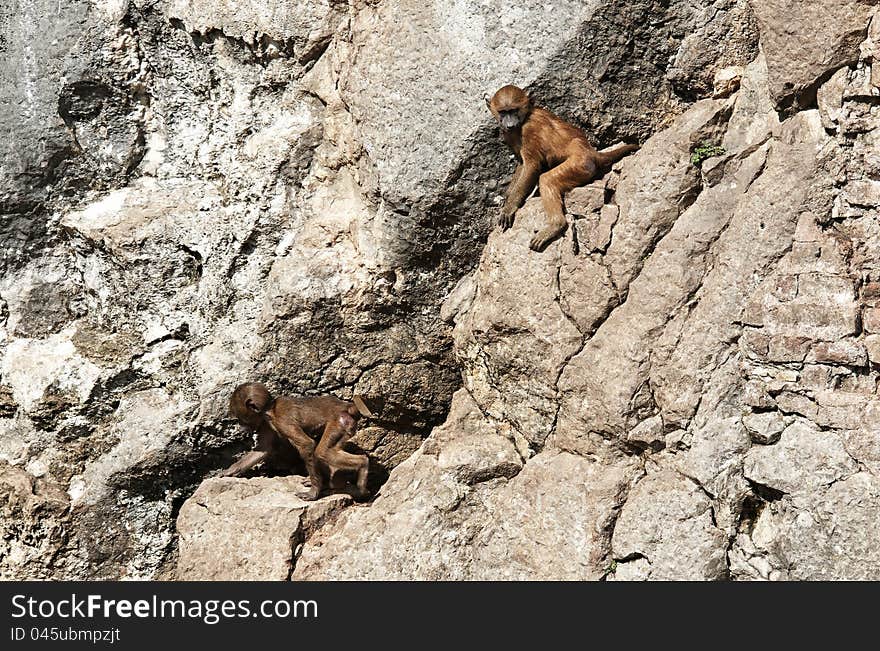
x=311, y=496
x=546, y=235
x=505, y=218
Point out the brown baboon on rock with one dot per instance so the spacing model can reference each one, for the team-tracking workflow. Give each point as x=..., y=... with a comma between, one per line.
x=302, y=421
x=553, y=154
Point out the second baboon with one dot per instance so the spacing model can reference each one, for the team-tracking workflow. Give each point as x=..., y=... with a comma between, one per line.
x=553, y=154
x=301, y=421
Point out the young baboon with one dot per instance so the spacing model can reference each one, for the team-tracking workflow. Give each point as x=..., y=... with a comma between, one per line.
x=553, y=154
x=301, y=420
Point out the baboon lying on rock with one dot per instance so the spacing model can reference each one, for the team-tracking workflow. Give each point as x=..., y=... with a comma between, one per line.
x=301, y=421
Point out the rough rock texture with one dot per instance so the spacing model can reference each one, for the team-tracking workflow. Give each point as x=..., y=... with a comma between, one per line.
x=707, y=353
x=247, y=529
x=200, y=192
x=33, y=528
x=467, y=505
x=807, y=40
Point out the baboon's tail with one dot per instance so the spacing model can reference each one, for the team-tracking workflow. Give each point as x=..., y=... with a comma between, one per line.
x=610, y=155
x=362, y=406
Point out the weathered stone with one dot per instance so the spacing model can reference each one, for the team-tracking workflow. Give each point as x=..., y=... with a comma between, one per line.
x=459, y=300
x=805, y=458
x=754, y=115
x=860, y=87
x=871, y=320
x=818, y=376
x=851, y=406
x=663, y=510
x=755, y=395
x=236, y=529
x=796, y=403
x=870, y=47
x=863, y=193
x=755, y=343
x=828, y=533
x=787, y=286
x=701, y=54
x=37, y=369
x=782, y=348
x=715, y=456
x=871, y=292
x=434, y=540
x=678, y=439
x=586, y=200
x=598, y=237
x=298, y=29
x=726, y=81
x=696, y=354
x=648, y=433
x=518, y=295
x=858, y=118
x=807, y=39
x=816, y=320
x=764, y=427
x=872, y=346
x=863, y=445
x=33, y=526
x=830, y=98
x=846, y=351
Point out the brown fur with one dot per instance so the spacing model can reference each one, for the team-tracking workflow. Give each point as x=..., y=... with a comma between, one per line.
x=301, y=420
x=553, y=154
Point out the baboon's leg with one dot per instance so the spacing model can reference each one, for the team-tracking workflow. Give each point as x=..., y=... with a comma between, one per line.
x=306, y=448
x=574, y=172
x=244, y=464
x=338, y=459
x=330, y=452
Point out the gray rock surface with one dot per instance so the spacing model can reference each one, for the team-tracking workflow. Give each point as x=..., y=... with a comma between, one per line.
x=201, y=192
x=34, y=525
x=666, y=531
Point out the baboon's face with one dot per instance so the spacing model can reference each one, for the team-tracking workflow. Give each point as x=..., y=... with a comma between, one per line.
x=510, y=106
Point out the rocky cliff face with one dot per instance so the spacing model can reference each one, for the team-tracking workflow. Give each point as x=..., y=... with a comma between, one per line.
x=200, y=192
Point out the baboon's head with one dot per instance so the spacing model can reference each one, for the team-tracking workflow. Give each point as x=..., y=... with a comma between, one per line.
x=248, y=402
x=511, y=107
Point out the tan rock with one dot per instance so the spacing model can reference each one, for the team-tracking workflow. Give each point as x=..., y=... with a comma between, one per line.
x=804, y=459
x=863, y=193
x=764, y=427
x=247, y=529
x=846, y=351
x=34, y=525
x=872, y=345
x=664, y=508
x=871, y=320
x=805, y=39
x=726, y=81
x=830, y=98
